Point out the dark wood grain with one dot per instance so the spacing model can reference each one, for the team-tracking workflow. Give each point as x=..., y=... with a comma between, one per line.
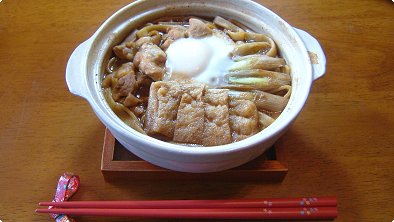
x=118, y=163
x=341, y=144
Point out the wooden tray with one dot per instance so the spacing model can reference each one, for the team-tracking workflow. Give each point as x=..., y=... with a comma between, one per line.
x=117, y=162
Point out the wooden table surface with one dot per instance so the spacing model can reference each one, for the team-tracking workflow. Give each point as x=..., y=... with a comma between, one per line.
x=341, y=144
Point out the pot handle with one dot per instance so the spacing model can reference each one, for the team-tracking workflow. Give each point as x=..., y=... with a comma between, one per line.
x=76, y=70
x=316, y=53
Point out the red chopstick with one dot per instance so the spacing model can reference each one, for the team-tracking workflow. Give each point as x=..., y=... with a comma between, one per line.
x=179, y=204
x=212, y=213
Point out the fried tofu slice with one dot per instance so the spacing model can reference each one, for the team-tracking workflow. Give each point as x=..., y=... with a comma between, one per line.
x=216, y=125
x=243, y=118
x=164, y=99
x=189, y=125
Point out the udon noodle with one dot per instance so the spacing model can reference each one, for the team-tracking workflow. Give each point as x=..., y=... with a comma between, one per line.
x=247, y=93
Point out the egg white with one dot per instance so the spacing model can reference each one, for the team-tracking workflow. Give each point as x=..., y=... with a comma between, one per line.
x=205, y=59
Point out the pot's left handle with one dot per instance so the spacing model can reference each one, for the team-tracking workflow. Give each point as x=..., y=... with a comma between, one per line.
x=76, y=70
x=316, y=53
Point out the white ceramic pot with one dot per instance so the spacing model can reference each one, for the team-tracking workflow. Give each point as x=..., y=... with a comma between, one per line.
x=86, y=66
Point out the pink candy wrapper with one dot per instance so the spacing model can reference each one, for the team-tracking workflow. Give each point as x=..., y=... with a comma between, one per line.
x=66, y=187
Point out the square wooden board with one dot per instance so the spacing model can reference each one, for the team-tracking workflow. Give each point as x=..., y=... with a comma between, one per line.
x=119, y=163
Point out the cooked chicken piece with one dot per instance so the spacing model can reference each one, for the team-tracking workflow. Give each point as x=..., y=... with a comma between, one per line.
x=125, y=50
x=198, y=29
x=173, y=34
x=125, y=82
x=177, y=32
x=131, y=100
x=147, y=39
x=150, y=60
x=123, y=87
x=143, y=80
x=124, y=69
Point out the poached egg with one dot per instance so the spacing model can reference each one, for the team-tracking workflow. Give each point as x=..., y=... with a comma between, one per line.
x=204, y=60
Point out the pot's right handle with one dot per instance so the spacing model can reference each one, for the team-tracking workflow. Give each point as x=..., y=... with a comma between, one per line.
x=315, y=52
x=76, y=70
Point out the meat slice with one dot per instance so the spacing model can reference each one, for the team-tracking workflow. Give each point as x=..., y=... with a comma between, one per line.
x=150, y=60
x=176, y=32
x=124, y=69
x=216, y=124
x=243, y=119
x=125, y=50
x=173, y=34
x=147, y=39
x=198, y=28
x=163, y=103
x=125, y=82
x=131, y=100
x=189, y=125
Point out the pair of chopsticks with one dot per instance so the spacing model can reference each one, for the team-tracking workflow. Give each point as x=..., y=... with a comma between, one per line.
x=274, y=208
